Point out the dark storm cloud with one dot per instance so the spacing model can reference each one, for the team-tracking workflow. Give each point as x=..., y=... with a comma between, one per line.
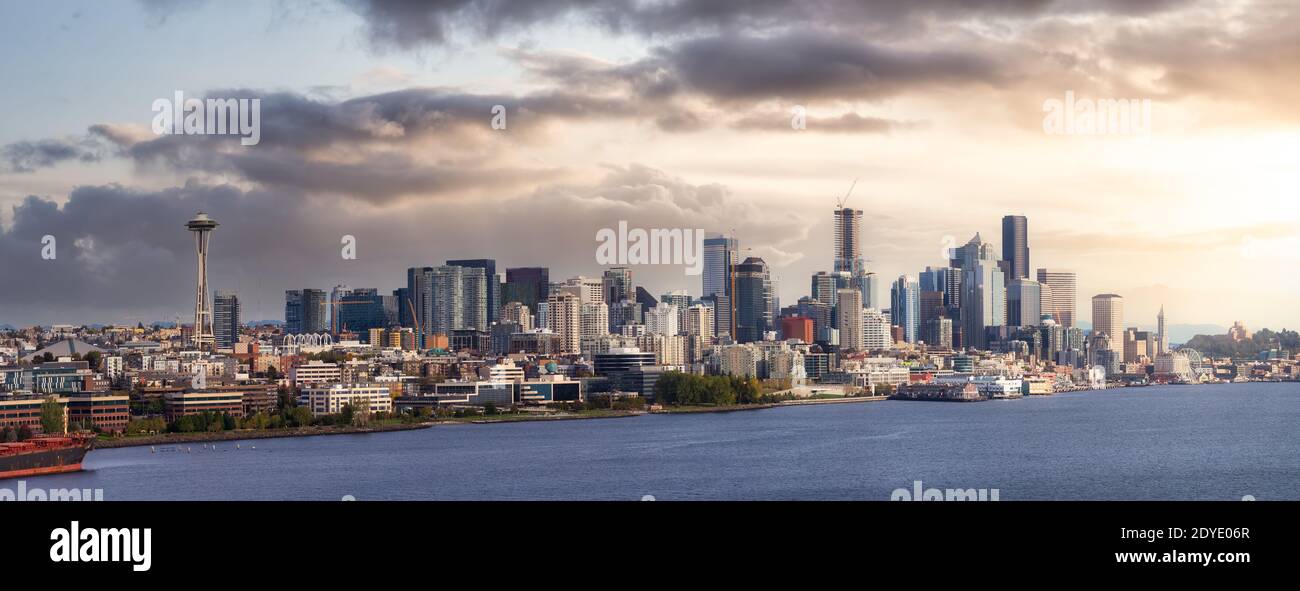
x=1255, y=62
x=124, y=255
x=379, y=178
x=408, y=24
x=806, y=65
x=363, y=147
x=27, y=156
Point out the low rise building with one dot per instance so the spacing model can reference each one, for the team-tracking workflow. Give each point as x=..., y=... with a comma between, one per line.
x=188, y=403
x=329, y=400
x=100, y=412
x=314, y=374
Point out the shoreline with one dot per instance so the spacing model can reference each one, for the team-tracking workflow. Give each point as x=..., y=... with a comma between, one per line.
x=242, y=435
x=184, y=438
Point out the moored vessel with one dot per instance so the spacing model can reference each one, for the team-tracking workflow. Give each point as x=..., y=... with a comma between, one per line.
x=44, y=454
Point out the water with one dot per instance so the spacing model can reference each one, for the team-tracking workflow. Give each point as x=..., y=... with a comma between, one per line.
x=1172, y=442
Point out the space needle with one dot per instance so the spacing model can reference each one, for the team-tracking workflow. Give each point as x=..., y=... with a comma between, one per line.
x=202, y=227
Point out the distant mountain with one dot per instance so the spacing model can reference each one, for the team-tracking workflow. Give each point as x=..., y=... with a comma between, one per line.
x=253, y=323
x=8, y=327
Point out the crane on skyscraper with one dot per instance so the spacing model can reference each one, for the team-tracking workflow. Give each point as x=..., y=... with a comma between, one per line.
x=840, y=204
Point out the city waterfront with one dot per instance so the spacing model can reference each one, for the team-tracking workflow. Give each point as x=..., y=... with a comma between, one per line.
x=1219, y=442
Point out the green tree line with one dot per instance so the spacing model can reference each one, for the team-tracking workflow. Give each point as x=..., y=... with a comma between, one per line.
x=688, y=389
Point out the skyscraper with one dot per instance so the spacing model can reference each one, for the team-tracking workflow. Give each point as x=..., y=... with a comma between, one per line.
x=848, y=241
x=662, y=319
x=1063, y=300
x=976, y=249
x=529, y=286
x=825, y=285
x=875, y=330
x=722, y=314
x=847, y=247
x=618, y=285
x=1108, y=317
x=753, y=300
x=564, y=318
x=623, y=313
x=493, y=293
x=700, y=322
x=304, y=311
x=904, y=306
x=202, y=227
x=332, y=306
x=721, y=255
x=929, y=308
x=593, y=317
x=363, y=309
x=459, y=299
x=517, y=314
x=588, y=289
x=419, y=299
x=225, y=319
x=1024, y=300
x=940, y=279
x=848, y=303
x=1015, y=245
x=866, y=283
x=984, y=294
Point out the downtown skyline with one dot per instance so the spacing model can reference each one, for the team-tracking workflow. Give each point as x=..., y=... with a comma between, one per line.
x=409, y=166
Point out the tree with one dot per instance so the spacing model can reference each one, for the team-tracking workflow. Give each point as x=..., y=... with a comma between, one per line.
x=24, y=433
x=297, y=416
x=93, y=358
x=9, y=435
x=52, y=416
x=285, y=398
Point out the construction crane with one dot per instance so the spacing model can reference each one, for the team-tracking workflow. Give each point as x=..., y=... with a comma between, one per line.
x=419, y=336
x=840, y=204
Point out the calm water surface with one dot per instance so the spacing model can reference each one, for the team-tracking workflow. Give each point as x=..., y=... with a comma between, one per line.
x=1168, y=442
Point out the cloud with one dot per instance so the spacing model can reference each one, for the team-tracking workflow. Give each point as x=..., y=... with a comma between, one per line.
x=124, y=255
x=161, y=10
x=412, y=24
x=809, y=64
x=28, y=156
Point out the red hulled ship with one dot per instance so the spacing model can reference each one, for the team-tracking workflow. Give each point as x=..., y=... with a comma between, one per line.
x=44, y=454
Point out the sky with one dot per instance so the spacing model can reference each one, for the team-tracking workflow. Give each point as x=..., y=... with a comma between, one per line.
x=376, y=123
